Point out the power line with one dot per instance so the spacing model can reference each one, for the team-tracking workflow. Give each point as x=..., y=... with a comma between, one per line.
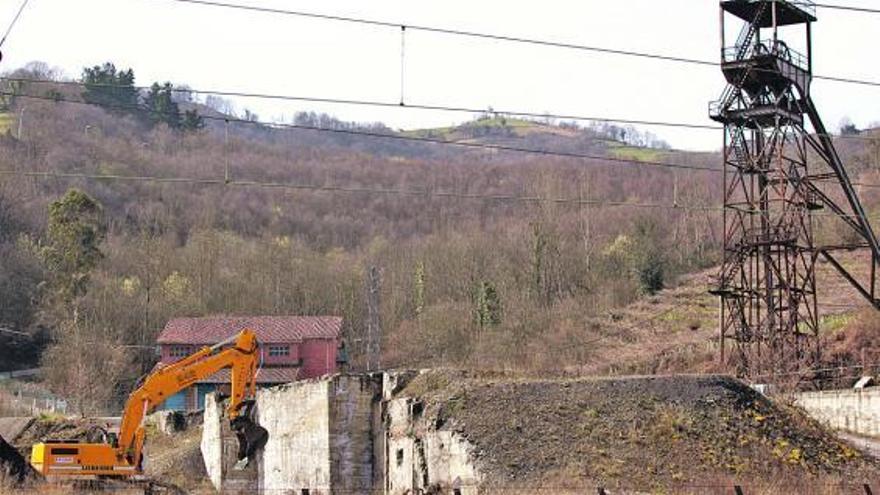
x=562, y=154
x=399, y=137
x=847, y=7
x=12, y=24
x=449, y=108
x=440, y=30
x=499, y=37
x=387, y=104
x=428, y=193
x=354, y=190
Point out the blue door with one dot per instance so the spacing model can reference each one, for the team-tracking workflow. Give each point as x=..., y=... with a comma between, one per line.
x=176, y=402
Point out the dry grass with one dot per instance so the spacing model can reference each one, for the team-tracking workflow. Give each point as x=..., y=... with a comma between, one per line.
x=676, y=331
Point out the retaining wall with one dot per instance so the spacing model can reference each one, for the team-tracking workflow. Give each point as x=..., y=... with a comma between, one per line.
x=855, y=411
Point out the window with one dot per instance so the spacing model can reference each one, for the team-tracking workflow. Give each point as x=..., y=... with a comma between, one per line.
x=279, y=350
x=180, y=351
x=399, y=457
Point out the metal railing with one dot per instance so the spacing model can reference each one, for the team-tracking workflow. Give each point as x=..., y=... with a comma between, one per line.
x=807, y=6
x=776, y=48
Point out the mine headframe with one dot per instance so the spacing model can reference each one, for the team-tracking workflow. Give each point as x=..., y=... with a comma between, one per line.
x=776, y=174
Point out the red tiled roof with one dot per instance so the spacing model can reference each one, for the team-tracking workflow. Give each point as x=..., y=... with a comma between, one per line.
x=264, y=375
x=269, y=329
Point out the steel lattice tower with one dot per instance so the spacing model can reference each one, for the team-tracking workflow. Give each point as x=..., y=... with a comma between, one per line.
x=767, y=282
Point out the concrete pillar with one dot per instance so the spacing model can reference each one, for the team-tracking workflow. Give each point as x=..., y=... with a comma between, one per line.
x=219, y=448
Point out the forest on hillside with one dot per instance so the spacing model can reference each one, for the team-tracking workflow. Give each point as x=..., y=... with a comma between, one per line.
x=117, y=212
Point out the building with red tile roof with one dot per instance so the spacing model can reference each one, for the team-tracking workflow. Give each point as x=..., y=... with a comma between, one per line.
x=292, y=347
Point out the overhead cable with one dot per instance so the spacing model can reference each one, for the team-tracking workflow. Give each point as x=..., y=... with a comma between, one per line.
x=374, y=103
x=499, y=37
x=353, y=189
x=399, y=137
x=12, y=24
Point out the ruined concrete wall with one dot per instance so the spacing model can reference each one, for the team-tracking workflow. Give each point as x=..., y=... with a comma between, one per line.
x=297, y=455
x=449, y=462
x=321, y=437
x=400, y=473
x=421, y=458
x=352, y=401
x=855, y=411
x=342, y=434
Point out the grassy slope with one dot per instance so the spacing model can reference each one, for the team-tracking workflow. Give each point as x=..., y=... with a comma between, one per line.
x=677, y=329
x=517, y=128
x=634, y=153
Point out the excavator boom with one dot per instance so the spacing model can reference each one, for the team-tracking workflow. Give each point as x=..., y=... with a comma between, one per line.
x=123, y=456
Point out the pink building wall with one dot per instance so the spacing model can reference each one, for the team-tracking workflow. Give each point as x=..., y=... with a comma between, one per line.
x=318, y=356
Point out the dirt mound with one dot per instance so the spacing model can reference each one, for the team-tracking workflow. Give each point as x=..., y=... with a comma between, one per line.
x=62, y=429
x=638, y=432
x=14, y=469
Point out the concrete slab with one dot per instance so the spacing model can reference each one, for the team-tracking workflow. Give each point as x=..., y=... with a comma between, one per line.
x=12, y=428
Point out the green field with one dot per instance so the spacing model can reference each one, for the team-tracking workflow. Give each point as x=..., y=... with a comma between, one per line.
x=635, y=153
x=450, y=132
x=6, y=120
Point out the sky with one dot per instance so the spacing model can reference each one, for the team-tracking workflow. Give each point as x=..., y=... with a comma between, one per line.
x=231, y=50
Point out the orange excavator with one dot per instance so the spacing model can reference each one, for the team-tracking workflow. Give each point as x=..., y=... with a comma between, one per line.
x=122, y=456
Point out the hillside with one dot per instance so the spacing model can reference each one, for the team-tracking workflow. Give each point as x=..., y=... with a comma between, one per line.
x=488, y=258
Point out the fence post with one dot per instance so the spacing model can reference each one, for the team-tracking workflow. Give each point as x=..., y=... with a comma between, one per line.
x=738, y=489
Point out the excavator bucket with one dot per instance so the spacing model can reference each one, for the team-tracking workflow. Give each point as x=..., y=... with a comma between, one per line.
x=251, y=436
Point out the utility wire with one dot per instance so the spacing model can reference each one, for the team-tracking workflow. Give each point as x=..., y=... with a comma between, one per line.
x=14, y=20
x=458, y=109
x=440, y=30
x=227, y=119
x=365, y=190
x=356, y=190
x=399, y=137
x=847, y=7
x=374, y=103
x=499, y=37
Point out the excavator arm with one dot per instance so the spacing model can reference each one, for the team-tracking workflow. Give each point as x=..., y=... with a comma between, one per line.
x=239, y=353
x=241, y=357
